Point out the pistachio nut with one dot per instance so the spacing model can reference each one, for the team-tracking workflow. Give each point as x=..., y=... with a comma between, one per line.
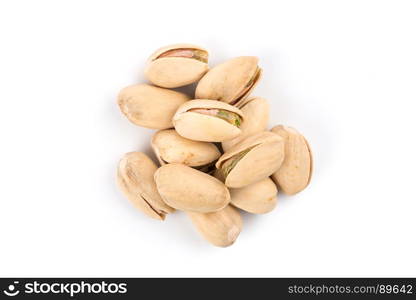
x=254, y=158
x=257, y=198
x=295, y=173
x=170, y=147
x=185, y=188
x=135, y=179
x=150, y=106
x=256, y=118
x=177, y=65
x=220, y=228
x=208, y=120
x=231, y=81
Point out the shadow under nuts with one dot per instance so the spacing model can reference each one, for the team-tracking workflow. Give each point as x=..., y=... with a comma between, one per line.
x=177, y=65
x=135, y=179
x=187, y=189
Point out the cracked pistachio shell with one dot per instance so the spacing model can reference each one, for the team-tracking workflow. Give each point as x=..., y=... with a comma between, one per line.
x=187, y=189
x=231, y=81
x=150, y=106
x=256, y=118
x=170, y=147
x=253, y=159
x=257, y=198
x=135, y=180
x=220, y=228
x=208, y=128
x=177, y=65
x=295, y=173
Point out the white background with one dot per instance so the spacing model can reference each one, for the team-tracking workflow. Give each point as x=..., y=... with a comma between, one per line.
x=341, y=72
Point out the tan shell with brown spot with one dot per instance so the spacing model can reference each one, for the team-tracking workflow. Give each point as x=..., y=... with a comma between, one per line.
x=177, y=65
x=220, y=228
x=296, y=171
x=231, y=81
x=265, y=153
x=149, y=106
x=170, y=147
x=187, y=189
x=135, y=180
x=257, y=198
x=256, y=118
x=207, y=128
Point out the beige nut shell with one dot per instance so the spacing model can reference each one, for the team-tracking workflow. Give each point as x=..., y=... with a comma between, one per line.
x=170, y=147
x=172, y=72
x=187, y=189
x=135, y=180
x=257, y=198
x=260, y=162
x=295, y=173
x=149, y=106
x=220, y=228
x=256, y=112
x=226, y=81
x=200, y=127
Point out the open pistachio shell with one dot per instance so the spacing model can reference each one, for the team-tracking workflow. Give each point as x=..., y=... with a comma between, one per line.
x=177, y=65
x=256, y=118
x=187, y=189
x=149, y=106
x=231, y=81
x=170, y=147
x=135, y=179
x=220, y=228
x=295, y=173
x=257, y=198
x=253, y=159
x=208, y=120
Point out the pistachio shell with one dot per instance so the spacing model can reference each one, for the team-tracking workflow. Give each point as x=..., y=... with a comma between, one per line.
x=170, y=147
x=201, y=127
x=135, y=179
x=185, y=188
x=220, y=228
x=231, y=81
x=256, y=118
x=255, y=158
x=295, y=173
x=177, y=65
x=257, y=198
x=150, y=106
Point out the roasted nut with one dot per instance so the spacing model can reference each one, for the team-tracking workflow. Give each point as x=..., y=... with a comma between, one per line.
x=295, y=173
x=170, y=147
x=185, y=188
x=253, y=159
x=177, y=65
x=208, y=120
x=135, y=179
x=231, y=81
x=220, y=228
x=256, y=118
x=257, y=198
x=150, y=106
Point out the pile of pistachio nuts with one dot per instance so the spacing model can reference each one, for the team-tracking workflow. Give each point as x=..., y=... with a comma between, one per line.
x=215, y=153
